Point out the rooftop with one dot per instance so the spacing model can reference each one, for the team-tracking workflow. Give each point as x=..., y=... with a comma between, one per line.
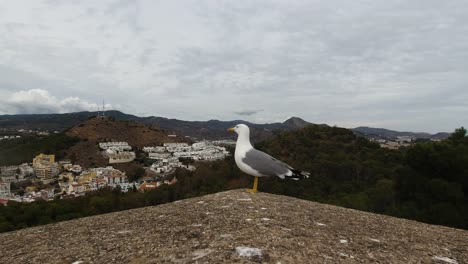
x=237, y=227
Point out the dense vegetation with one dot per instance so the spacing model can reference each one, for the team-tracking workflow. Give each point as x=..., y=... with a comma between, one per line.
x=427, y=182
x=17, y=151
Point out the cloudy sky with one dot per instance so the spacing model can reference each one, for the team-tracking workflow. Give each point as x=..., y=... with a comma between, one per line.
x=395, y=64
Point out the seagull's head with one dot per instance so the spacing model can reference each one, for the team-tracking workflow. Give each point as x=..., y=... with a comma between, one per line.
x=240, y=129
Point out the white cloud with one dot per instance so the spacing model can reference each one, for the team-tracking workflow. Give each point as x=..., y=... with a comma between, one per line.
x=39, y=101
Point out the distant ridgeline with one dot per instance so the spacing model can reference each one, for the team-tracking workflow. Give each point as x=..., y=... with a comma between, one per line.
x=212, y=129
x=427, y=182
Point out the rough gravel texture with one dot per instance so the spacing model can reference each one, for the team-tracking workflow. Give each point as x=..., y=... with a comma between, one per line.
x=237, y=227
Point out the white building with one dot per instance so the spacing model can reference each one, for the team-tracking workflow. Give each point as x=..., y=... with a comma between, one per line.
x=9, y=137
x=167, y=161
x=178, y=148
x=76, y=188
x=121, y=157
x=174, y=146
x=26, y=171
x=157, y=155
x=73, y=168
x=158, y=149
x=47, y=194
x=8, y=173
x=404, y=139
x=16, y=173
x=114, y=178
x=5, y=190
x=118, y=146
x=224, y=142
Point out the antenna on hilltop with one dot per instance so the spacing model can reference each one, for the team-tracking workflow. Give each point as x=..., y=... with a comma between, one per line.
x=101, y=112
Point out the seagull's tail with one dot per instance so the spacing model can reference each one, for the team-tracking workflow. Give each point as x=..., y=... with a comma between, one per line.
x=298, y=175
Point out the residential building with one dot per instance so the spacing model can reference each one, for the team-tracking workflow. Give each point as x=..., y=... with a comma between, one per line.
x=47, y=194
x=5, y=189
x=66, y=177
x=46, y=171
x=45, y=167
x=43, y=158
x=158, y=155
x=121, y=157
x=114, y=178
x=72, y=168
x=148, y=186
x=8, y=173
x=26, y=171
x=76, y=188
x=159, y=149
x=15, y=173
x=87, y=176
x=117, y=146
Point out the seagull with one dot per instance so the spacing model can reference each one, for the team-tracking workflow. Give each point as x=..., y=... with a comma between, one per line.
x=259, y=164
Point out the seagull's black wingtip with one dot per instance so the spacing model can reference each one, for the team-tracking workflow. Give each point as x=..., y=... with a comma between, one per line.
x=298, y=175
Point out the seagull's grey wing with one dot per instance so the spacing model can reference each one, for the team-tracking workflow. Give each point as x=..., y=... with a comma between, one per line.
x=265, y=164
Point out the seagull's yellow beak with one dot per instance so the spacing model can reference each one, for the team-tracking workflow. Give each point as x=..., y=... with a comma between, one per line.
x=231, y=129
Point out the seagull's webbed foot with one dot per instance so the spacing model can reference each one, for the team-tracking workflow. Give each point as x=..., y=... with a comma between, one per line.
x=255, y=185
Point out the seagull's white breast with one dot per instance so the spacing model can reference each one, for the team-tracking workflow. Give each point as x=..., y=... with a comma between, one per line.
x=238, y=156
x=242, y=147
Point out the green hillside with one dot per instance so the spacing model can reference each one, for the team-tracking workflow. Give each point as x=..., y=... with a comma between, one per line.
x=17, y=151
x=427, y=182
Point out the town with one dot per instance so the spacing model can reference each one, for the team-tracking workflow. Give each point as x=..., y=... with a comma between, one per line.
x=48, y=179
x=9, y=137
x=396, y=142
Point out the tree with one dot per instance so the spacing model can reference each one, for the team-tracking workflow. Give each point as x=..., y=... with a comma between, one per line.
x=458, y=135
x=136, y=174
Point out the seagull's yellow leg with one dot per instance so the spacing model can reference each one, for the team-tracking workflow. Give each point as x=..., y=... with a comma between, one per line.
x=255, y=185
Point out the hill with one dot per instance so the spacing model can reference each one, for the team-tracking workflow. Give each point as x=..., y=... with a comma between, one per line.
x=212, y=129
x=94, y=130
x=237, y=227
x=26, y=148
x=215, y=129
x=391, y=134
x=425, y=182
x=109, y=129
x=50, y=122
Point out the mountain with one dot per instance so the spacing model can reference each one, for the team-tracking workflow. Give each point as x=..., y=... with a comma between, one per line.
x=391, y=134
x=212, y=129
x=236, y=227
x=295, y=122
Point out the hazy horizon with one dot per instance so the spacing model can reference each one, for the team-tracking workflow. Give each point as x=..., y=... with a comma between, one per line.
x=392, y=64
